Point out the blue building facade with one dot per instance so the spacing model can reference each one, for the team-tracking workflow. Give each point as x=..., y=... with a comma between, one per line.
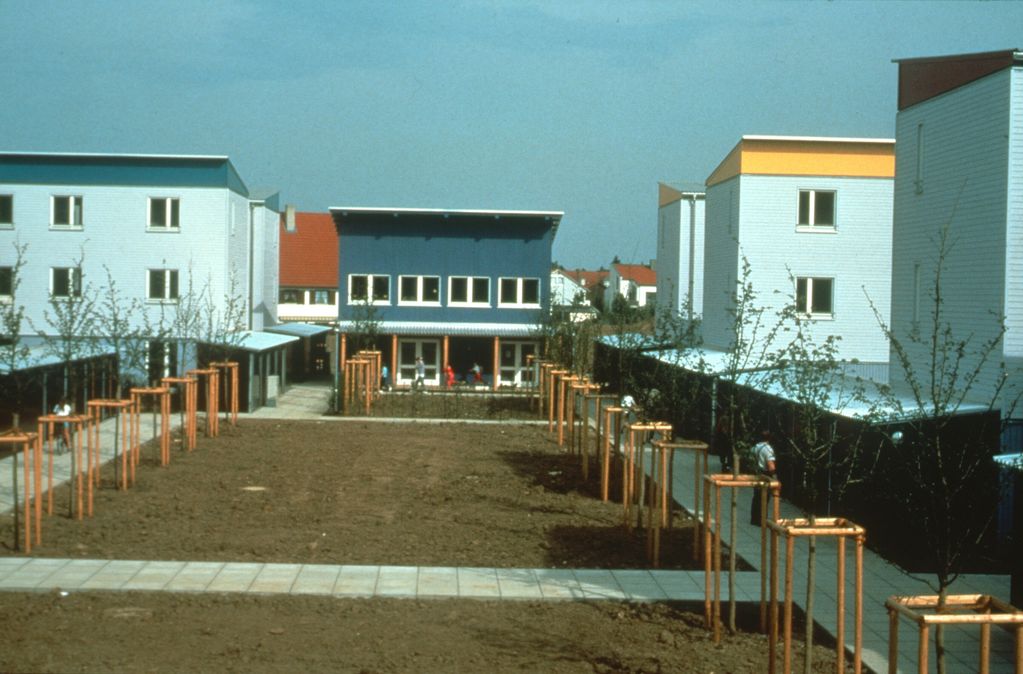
x=454, y=287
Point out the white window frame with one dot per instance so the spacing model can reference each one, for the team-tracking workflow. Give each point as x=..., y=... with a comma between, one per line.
x=303, y=297
x=74, y=282
x=419, y=301
x=811, y=281
x=75, y=216
x=811, y=225
x=369, y=290
x=9, y=224
x=168, y=274
x=470, y=294
x=168, y=212
x=519, y=284
x=7, y=297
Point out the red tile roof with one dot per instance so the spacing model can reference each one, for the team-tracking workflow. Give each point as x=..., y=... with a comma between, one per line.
x=586, y=279
x=640, y=274
x=309, y=254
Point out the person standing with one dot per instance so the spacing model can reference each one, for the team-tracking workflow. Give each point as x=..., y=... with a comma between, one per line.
x=763, y=455
x=449, y=373
x=63, y=409
x=385, y=378
x=420, y=381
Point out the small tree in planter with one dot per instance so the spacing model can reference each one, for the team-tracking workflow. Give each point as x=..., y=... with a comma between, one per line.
x=13, y=350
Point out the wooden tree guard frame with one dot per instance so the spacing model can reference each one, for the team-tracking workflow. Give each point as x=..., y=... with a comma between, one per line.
x=612, y=419
x=376, y=358
x=711, y=525
x=633, y=481
x=555, y=375
x=31, y=451
x=358, y=373
x=576, y=392
x=700, y=450
x=160, y=395
x=230, y=366
x=212, y=375
x=841, y=529
x=923, y=610
x=598, y=400
x=129, y=444
x=188, y=387
x=49, y=422
x=564, y=384
x=542, y=389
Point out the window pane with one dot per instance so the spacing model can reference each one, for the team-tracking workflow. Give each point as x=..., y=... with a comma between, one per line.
x=804, y=208
x=321, y=297
x=61, y=211
x=78, y=210
x=530, y=291
x=408, y=288
x=75, y=275
x=6, y=209
x=431, y=289
x=822, y=298
x=459, y=290
x=175, y=212
x=60, y=282
x=801, y=294
x=156, y=284
x=6, y=281
x=481, y=290
x=381, y=288
x=824, y=208
x=357, y=287
x=173, y=274
x=157, y=212
x=289, y=296
x=509, y=291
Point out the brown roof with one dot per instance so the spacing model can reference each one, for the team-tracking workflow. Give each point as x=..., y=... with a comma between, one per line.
x=640, y=274
x=586, y=279
x=923, y=78
x=309, y=254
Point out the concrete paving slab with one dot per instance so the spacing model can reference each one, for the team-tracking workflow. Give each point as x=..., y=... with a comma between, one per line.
x=558, y=584
x=437, y=582
x=518, y=584
x=154, y=576
x=195, y=576
x=114, y=575
x=357, y=581
x=478, y=583
x=679, y=585
x=599, y=584
x=397, y=581
x=639, y=585
x=275, y=578
x=316, y=579
x=32, y=575
x=235, y=577
x=75, y=573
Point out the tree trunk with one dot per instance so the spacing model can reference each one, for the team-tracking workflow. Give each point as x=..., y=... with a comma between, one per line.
x=733, y=518
x=939, y=631
x=811, y=580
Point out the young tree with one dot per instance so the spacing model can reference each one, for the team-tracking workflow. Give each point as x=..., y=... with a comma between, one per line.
x=941, y=474
x=117, y=323
x=13, y=350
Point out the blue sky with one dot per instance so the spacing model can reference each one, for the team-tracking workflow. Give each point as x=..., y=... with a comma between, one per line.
x=580, y=107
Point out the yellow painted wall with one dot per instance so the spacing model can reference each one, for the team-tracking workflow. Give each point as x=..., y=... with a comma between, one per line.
x=807, y=158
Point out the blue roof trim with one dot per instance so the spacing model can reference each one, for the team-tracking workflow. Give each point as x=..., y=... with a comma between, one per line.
x=299, y=329
x=127, y=170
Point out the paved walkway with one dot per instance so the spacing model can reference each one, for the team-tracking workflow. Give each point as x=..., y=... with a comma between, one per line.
x=881, y=579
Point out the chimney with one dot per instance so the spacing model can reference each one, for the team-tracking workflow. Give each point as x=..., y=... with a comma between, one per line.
x=289, y=218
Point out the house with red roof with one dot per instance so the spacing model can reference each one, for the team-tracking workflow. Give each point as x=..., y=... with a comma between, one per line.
x=637, y=283
x=592, y=282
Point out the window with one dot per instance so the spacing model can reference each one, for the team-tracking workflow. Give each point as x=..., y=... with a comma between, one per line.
x=291, y=296
x=360, y=285
x=6, y=211
x=66, y=211
x=918, y=180
x=6, y=283
x=816, y=209
x=163, y=285
x=418, y=290
x=815, y=296
x=322, y=296
x=519, y=292
x=65, y=282
x=164, y=213
x=469, y=290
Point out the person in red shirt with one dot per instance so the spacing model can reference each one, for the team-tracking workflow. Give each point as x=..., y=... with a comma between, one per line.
x=450, y=372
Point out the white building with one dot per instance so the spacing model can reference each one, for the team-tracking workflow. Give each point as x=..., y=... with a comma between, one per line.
x=813, y=218
x=680, y=230
x=959, y=162
x=637, y=283
x=172, y=231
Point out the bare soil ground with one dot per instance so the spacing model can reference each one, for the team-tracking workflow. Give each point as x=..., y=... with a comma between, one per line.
x=359, y=492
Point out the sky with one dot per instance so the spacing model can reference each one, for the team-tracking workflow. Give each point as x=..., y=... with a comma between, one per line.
x=580, y=107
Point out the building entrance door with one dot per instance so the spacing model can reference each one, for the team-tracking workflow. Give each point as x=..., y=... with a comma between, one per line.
x=514, y=369
x=428, y=350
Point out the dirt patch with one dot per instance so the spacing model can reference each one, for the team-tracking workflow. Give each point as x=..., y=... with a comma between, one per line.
x=360, y=492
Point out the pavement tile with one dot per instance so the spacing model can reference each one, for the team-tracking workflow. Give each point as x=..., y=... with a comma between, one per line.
x=316, y=579
x=275, y=578
x=235, y=577
x=679, y=585
x=195, y=576
x=114, y=575
x=154, y=576
x=397, y=581
x=599, y=584
x=478, y=583
x=559, y=584
x=639, y=585
x=75, y=574
x=357, y=581
x=518, y=584
x=437, y=581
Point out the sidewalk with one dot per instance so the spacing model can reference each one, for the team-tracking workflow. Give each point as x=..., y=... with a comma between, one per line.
x=880, y=578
